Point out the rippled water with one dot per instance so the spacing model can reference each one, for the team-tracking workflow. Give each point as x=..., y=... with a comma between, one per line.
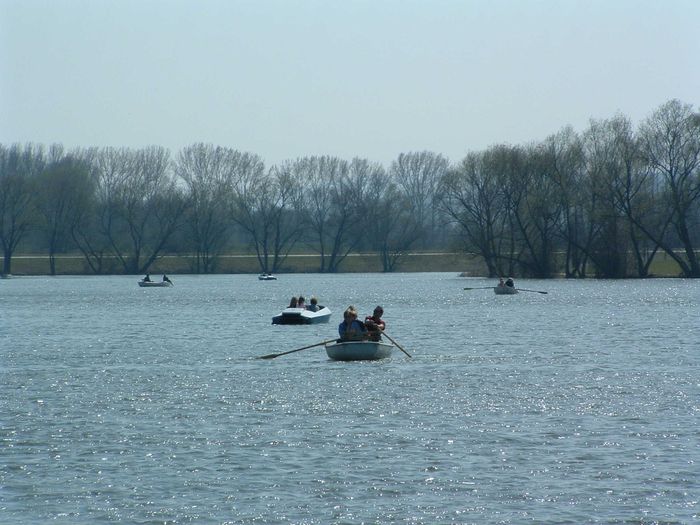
x=122, y=404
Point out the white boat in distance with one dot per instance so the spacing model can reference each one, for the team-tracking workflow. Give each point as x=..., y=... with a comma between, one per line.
x=302, y=316
x=266, y=277
x=155, y=284
x=505, y=290
x=359, y=350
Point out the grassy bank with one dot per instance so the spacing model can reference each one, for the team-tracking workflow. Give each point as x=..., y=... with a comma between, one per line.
x=663, y=266
x=428, y=262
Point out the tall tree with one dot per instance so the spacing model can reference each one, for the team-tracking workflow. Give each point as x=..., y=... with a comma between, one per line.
x=19, y=168
x=63, y=195
x=208, y=173
x=265, y=205
x=140, y=205
x=670, y=140
x=418, y=175
x=333, y=194
x=473, y=198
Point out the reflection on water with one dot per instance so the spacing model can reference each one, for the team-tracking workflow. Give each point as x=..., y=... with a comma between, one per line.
x=149, y=406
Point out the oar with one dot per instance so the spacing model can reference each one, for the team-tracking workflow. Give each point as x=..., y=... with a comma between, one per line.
x=536, y=291
x=397, y=344
x=272, y=356
x=481, y=288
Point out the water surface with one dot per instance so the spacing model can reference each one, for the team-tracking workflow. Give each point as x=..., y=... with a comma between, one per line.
x=122, y=404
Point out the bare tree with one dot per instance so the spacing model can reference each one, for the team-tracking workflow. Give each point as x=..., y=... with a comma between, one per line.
x=208, y=173
x=19, y=168
x=473, y=197
x=63, y=194
x=418, y=175
x=333, y=204
x=633, y=191
x=389, y=224
x=266, y=206
x=670, y=140
x=140, y=206
x=608, y=246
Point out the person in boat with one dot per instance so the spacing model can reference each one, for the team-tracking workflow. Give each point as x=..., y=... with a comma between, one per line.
x=375, y=324
x=147, y=279
x=510, y=283
x=301, y=302
x=166, y=280
x=292, y=303
x=501, y=282
x=351, y=329
x=313, y=306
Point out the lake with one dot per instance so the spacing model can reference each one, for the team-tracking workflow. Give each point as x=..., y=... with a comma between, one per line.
x=150, y=406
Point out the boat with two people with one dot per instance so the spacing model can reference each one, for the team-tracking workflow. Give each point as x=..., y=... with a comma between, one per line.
x=505, y=287
x=358, y=350
x=146, y=282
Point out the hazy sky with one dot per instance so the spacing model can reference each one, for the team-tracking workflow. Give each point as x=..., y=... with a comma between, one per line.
x=348, y=78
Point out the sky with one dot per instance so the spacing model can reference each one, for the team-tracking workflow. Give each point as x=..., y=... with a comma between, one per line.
x=350, y=78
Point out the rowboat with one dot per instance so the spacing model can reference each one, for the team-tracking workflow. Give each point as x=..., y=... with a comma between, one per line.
x=266, y=277
x=505, y=290
x=155, y=284
x=358, y=350
x=302, y=316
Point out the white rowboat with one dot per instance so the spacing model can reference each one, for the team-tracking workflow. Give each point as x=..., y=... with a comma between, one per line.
x=359, y=350
x=155, y=284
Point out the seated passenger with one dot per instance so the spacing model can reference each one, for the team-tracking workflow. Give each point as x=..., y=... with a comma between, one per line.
x=313, y=307
x=351, y=329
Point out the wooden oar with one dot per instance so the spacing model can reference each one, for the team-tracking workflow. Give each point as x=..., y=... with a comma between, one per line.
x=536, y=291
x=397, y=344
x=272, y=356
x=481, y=288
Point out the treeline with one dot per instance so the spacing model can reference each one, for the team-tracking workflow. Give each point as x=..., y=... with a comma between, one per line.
x=600, y=202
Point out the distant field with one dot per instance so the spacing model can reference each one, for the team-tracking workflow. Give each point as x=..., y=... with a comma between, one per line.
x=468, y=264
x=429, y=262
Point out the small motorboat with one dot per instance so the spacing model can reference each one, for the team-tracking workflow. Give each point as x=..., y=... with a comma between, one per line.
x=266, y=277
x=505, y=290
x=358, y=350
x=302, y=316
x=154, y=284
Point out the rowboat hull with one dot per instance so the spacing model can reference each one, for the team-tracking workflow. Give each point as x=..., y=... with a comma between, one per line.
x=302, y=316
x=154, y=284
x=505, y=290
x=266, y=277
x=359, y=350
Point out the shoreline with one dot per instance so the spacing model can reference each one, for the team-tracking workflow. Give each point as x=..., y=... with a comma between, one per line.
x=464, y=264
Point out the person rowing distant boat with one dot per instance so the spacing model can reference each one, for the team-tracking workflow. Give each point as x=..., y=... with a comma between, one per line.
x=510, y=283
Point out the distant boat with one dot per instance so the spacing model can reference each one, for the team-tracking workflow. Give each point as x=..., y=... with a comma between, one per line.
x=505, y=290
x=302, y=316
x=266, y=277
x=154, y=284
x=359, y=350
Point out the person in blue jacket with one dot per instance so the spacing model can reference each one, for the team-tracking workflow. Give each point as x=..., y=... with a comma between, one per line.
x=351, y=329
